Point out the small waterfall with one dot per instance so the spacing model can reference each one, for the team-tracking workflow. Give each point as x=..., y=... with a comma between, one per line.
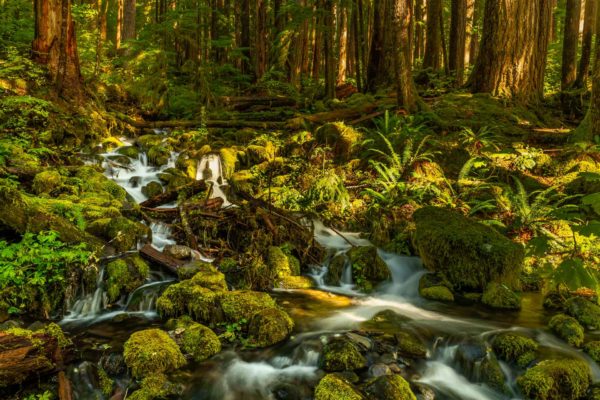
x=92, y=304
x=161, y=235
x=210, y=169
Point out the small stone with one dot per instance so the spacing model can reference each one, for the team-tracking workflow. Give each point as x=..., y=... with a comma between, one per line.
x=178, y=251
x=364, y=342
x=377, y=370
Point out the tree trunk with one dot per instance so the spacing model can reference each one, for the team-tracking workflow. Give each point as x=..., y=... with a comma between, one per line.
x=380, y=69
x=261, y=40
x=343, y=45
x=458, y=32
x=129, y=14
x=419, y=31
x=102, y=8
x=358, y=48
x=329, y=34
x=586, y=43
x=406, y=92
x=55, y=45
x=245, y=37
x=570, y=43
x=433, y=45
x=119, y=27
x=594, y=113
x=514, y=49
x=475, y=29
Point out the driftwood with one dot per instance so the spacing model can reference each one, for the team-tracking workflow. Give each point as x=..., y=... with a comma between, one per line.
x=172, y=195
x=23, y=357
x=157, y=257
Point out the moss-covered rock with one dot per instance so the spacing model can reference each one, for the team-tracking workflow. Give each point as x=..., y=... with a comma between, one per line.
x=567, y=328
x=122, y=233
x=159, y=155
x=368, y=268
x=244, y=304
x=282, y=264
x=269, y=326
x=152, y=189
x=586, y=312
x=555, y=380
x=593, y=349
x=196, y=340
x=228, y=161
x=189, y=298
x=432, y=287
x=409, y=345
x=334, y=387
x=499, y=296
x=129, y=151
x=208, y=276
x=47, y=182
x=151, y=351
x=155, y=386
x=341, y=138
x=389, y=387
x=125, y=275
x=515, y=348
x=342, y=355
x=295, y=282
x=477, y=363
x=146, y=142
x=335, y=270
x=469, y=255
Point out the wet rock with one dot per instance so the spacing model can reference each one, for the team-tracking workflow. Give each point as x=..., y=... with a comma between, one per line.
x=124, y=275
x=342, y=355
x=197, y=340
x=156, y=386
x=368, y=268
x=377, y=370
x=385, y=320
x=567, y=328
x=243, y=304
x=269, y=326
x=424, y=392
x=335, y=270
x=473, y=359
x=113, y=364
x=466, y=253
x=515, y=348
x=364, y=342
x=286, y=391
x=409, y=345
x=179, y=252
x=152, y=351
x=499, y=296
x=593, y=350
x=282, y=264
x=432, y=287
x=122, y=233
x=387, y=358
x=189, y=298
x=135, y=181
x=296, y=282
x=586, y=312
x=159, y=155
x=129, y=151
x=390, y=387
x=556, y=380
x=334, y=387
x=208, y=276
x=152, y=189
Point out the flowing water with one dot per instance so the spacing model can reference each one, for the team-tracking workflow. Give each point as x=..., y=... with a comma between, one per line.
x=291, y=370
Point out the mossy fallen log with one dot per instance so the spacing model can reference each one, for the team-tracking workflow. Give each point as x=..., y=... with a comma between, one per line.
x=172, y=195
x=160, y=258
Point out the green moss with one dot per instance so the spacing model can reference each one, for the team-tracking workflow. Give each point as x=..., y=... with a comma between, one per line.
x=499, y=296
x=334, y=387
x=278, y=262
x=129, y=151
x=159, y=155
x=155, y=386
x=515, y=348
x=228, y=161
x=437, y=293
x=106, y=384
x=567, y=328
x=593, y=349
x=335, y=270
x=47, y=181
x=125, y=275
x=152, y=189
x=491, y=373
x=342, y=355
x=343, y=139
x=188, y=298
x=199, y=341
x=295, y=282
x=269, y=326
x=151, y=351
x=122, y=233
x=368, y=268
x=466, y=253
x=555, y=380
x=244, y=304
x=586, y=312
x=389, y=387
x=56, y=332
x=148, y=141
x=208, y=276
x=409, y=345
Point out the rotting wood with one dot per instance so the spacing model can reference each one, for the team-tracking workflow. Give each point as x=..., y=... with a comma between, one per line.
x=157, y=257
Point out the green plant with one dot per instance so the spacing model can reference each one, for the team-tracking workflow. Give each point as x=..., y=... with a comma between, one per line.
x=476, y=142
x=233, y=331
x=328, y=187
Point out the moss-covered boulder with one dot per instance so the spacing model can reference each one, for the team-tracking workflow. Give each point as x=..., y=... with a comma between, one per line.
x=122, y=233
x=344, y=140
x=187, y=297
x=159, y=155
x=229, y=161
x=335, y=387
x=499, y=296
x=125, y=275
x=515, y=348
x=567, y=328
x=335, y=270
x=368, y=268
x=47, y=182
x=586, y=312
x=155, y=386
x=433, y=288
x=152, y=189
x=269, y=326
x=409, y=345
x=282, y=264
x=197, y=340
x=478, y=364
x=593, y=350
x=208, y=276
x=295, y=282
x=469, y=255
x=151, y=351
x=555, y=380
x=146, y=142
x=389, y=387
x=342, y=355
x=129, y=151
x=244, y=304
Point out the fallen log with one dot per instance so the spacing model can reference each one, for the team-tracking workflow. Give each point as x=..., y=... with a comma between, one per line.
x=172, y=195
x=198, y=123
x=207, y=208
x=240, y=103
x=157, y=257
x=25, y=356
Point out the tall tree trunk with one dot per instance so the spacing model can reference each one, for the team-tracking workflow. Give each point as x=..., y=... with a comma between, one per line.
x=406, y=92
x=102, y=9
x=129, y=14
x=594, y=113
x=475, y=36
x=458, y=37
x=419, y=30
x=589, y=26
x=570, y=43
x=119, y=27
x=262, y=39
x=245, y=37
x=514, y=49
x=55, y=45
x=380, y=69
x=358, y=40
x=342, y=44
x=433, y=44
x=318, y=38
x=329, y=35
